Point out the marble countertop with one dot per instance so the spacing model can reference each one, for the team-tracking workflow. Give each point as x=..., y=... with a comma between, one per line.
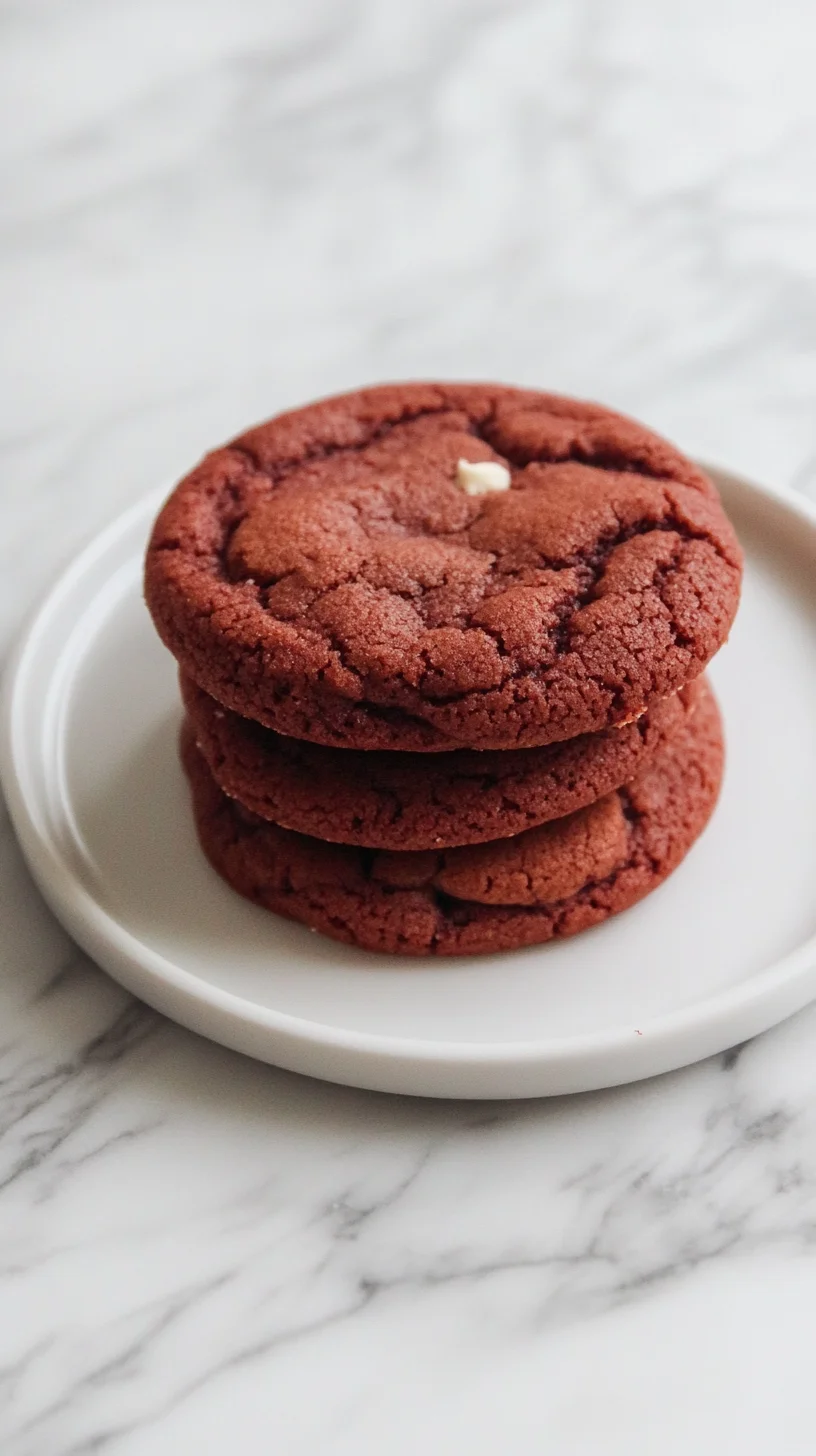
x=212, y=210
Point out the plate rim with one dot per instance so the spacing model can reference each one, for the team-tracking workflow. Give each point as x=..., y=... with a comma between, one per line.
x=119, y=951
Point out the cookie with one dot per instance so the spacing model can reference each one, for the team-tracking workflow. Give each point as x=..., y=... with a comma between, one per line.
x=406, y=801
x=548, y=882
x=350, y=573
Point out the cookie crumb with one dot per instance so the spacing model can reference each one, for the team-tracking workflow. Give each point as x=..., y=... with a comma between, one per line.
x=480, y=476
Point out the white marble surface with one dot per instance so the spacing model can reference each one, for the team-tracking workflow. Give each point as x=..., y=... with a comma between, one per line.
x=212, y=208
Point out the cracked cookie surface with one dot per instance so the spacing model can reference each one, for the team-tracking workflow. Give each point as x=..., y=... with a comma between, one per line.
x=549, y=882
x=404, y=801
x=326, y=575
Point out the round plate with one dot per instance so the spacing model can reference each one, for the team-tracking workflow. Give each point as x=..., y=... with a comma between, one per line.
x=726, y=948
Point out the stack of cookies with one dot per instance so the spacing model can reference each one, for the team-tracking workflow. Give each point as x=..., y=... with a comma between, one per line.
x=441, y=651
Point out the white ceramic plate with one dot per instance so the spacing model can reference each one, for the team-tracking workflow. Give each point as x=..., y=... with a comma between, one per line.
x=724, y=950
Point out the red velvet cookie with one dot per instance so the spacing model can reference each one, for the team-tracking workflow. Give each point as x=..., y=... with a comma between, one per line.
x=331, y=575
x=428, y=801
x=548, y=882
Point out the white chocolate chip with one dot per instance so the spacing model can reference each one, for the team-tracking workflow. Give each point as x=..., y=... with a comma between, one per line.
x=481, y=476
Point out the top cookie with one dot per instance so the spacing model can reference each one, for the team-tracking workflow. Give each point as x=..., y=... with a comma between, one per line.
x=337, y=575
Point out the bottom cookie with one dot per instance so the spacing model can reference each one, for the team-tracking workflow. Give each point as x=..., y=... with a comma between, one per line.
x=546, y=883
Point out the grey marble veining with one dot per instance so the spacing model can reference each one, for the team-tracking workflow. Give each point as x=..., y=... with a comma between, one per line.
x=209, y=211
